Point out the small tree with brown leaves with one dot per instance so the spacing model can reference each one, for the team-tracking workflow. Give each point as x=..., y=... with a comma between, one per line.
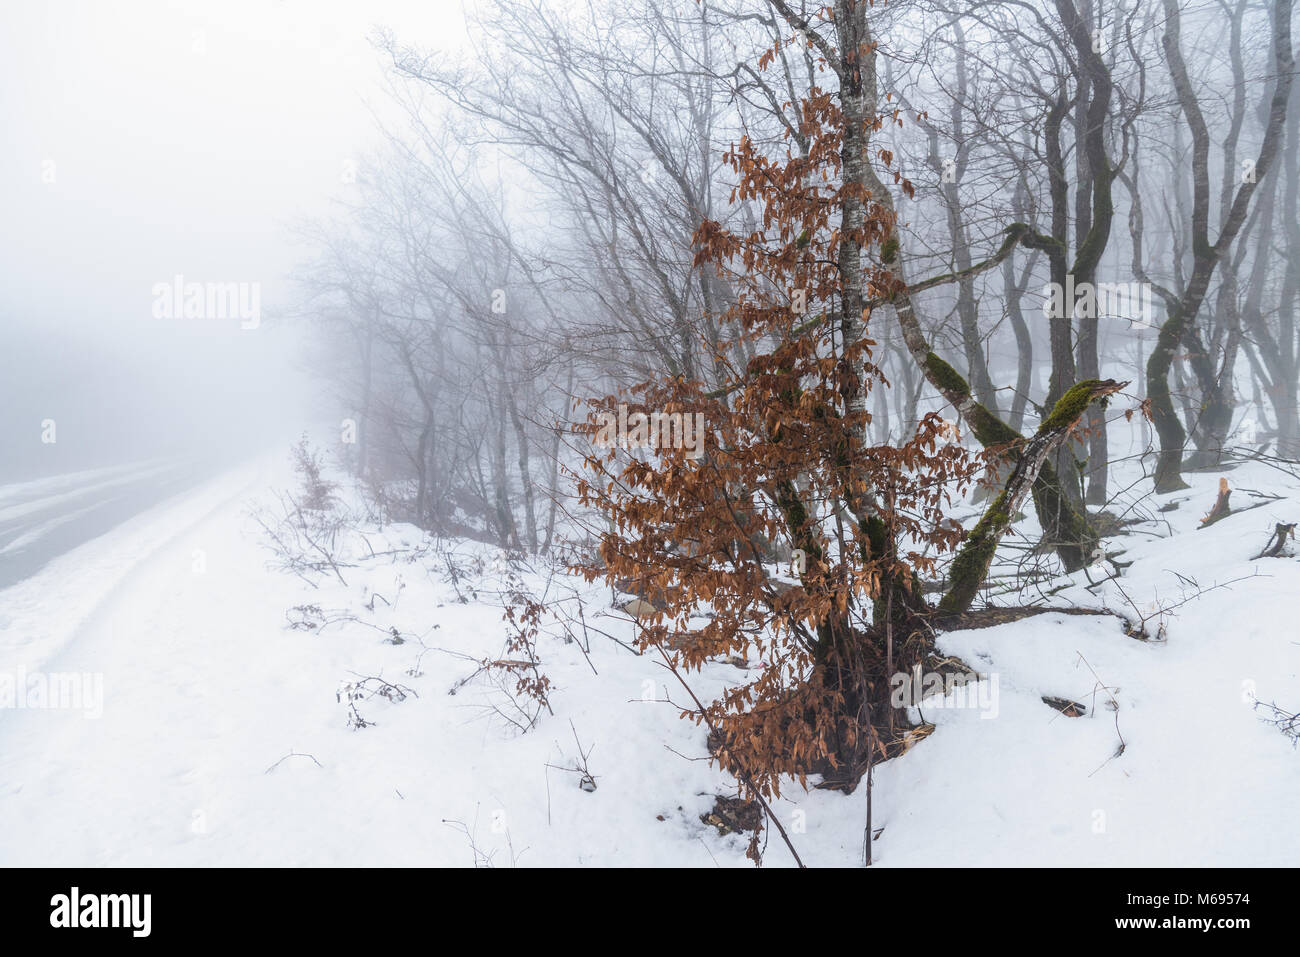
x=786, y=462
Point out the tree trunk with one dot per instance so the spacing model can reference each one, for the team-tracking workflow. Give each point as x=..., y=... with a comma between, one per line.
x=971, y=566
x=1179, y=325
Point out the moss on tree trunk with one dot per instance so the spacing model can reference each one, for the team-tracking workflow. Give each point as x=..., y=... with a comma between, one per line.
x=971, y=566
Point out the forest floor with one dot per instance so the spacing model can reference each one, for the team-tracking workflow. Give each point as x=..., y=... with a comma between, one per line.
x=252, y=716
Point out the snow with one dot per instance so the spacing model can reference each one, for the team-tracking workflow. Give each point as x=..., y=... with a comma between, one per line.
x=222, y=740
x=42, y=495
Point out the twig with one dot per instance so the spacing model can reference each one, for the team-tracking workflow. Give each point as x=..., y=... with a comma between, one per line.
x=292, y=754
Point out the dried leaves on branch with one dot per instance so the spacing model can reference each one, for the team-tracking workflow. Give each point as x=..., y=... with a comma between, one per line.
x=787, y=467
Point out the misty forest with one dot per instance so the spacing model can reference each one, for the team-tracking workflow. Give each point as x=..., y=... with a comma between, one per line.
x=654, y=433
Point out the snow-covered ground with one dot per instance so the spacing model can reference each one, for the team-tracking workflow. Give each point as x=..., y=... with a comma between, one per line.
x=220, y=737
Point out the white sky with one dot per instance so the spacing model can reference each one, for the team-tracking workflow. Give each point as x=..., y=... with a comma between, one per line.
x=185, y=137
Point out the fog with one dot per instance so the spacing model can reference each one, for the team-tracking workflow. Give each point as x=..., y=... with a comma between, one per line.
x=151, y=140
x=645, y=433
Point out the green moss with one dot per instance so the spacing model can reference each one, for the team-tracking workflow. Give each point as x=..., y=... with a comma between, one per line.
x=1068, y=528
x=1070, y=406
x=994, y=517
x=889, y=251
x=988, y=428
x=945, y=376
x=971, y=566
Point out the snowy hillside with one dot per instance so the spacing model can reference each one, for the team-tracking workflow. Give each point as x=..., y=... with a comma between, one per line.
x=251, y=715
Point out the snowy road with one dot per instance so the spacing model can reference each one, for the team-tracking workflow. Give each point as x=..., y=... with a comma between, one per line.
x=43, y=519
x=135, y=614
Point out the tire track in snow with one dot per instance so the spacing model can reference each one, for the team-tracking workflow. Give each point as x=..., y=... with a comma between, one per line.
x=43, y=614
x=137, y=783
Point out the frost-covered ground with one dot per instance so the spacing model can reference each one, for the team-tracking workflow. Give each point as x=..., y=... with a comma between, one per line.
x=223, y=739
